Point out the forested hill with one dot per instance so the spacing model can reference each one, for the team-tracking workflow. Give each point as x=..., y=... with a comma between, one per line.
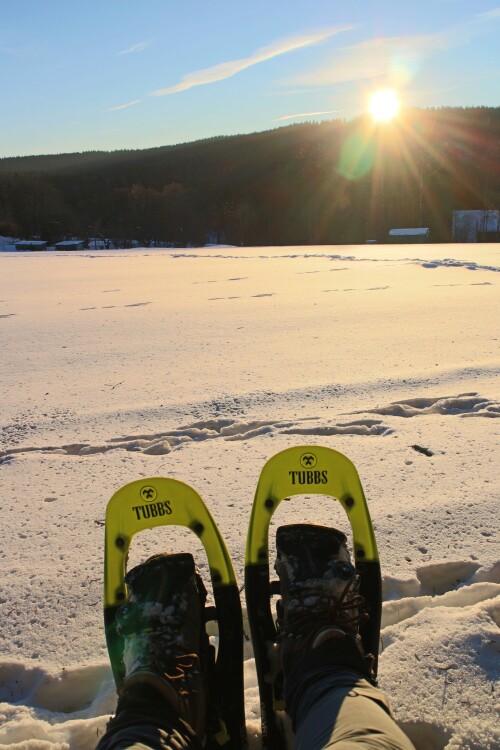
x=314, y=183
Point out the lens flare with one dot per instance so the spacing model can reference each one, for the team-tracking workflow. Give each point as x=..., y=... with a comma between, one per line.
x=384, y=104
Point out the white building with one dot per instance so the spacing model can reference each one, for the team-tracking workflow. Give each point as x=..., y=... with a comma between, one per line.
x=70, y=245
x=33, y=245
x=410, y=235
x=476, y=226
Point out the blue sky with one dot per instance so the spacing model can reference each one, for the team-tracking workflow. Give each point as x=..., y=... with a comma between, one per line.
x=112, y=74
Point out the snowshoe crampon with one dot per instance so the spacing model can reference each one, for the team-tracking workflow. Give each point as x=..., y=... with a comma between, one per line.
x=148, y=503
x=296, y=471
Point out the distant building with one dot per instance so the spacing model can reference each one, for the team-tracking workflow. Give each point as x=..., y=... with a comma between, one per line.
x=215, y=237
x=476, y=226
x=412, y=235
x=70, y=245
x=99, y=244
x=31, y=245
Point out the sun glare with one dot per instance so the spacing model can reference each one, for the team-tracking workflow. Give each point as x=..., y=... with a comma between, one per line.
x=384, y=105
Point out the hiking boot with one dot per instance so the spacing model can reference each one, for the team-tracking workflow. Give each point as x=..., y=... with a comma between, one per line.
x=164, y=637
x=320, y=605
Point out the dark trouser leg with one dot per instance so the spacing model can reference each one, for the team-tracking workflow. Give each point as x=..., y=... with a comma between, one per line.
x=146, y=723
x=143, y=735
x=343, y=711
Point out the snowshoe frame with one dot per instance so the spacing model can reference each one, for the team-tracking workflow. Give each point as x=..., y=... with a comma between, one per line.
x=158, y=501
x=316, y=471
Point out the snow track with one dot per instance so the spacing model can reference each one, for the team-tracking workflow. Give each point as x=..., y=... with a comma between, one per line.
x=161, y=443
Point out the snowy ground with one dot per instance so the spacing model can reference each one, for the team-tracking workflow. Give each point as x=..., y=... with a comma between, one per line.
x=200, y=365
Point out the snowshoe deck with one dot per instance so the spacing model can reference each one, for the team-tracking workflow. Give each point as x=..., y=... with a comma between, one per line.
x=148, y=503
x=295, y=471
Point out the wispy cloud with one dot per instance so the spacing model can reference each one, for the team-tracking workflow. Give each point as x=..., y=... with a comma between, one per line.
x=135, y=48
x=489, y=14
x=307, y=114
x=396, y=57
x=227, y=69
x=22, y=50
x=399, y=56
x=124, y=106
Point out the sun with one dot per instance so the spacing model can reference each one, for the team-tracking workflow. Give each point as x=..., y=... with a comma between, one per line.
x=384, y=105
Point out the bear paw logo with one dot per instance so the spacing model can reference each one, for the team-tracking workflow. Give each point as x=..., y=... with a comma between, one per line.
x=308, y=460
x=148, y=493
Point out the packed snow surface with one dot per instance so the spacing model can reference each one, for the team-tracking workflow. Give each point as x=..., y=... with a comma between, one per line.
x=202, y=364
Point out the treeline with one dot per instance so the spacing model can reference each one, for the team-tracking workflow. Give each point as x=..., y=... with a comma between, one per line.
x=315, y=183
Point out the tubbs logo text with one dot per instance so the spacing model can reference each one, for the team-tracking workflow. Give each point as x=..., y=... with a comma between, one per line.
x=309, y=477
x=152, y=510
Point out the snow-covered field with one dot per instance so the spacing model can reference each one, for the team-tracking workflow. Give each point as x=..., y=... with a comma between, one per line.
x=200, y=365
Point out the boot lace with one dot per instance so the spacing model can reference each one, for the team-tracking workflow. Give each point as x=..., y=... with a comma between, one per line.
x=318, y=604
